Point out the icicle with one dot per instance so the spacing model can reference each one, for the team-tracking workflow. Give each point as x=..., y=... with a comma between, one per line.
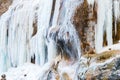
x=52, y=42
x=4, y=59
x=52, y=50
x=116, y=13
x=104, y=21
x=43, y=24
x=109, y=22
x=100, y=24
x=67, y=27
x=56, y=13
x=19, y=41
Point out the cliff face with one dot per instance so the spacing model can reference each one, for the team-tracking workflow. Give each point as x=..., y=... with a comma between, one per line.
x=4, y=5
x=104, y=66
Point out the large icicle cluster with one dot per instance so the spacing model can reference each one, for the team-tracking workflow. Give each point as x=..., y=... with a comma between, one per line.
x=105, y=11
x=25, y=30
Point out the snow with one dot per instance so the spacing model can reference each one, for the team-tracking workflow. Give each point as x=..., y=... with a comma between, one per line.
x=26, y=72
x=112, y=47
x=30, y=71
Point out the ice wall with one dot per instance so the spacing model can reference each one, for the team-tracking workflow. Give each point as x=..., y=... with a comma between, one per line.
x=17, y=28
x=24, y=32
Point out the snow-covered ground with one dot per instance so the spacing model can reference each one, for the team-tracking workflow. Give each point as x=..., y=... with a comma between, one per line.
x=31, y=71
x=112, y=47
x=28, y=71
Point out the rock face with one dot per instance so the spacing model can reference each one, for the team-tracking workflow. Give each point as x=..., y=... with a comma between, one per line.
x=105, y=70
x=4, y=5
x=115, y=72
x=84, y=19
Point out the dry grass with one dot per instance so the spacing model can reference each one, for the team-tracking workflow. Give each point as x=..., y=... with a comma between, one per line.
x=107, y=54
x=103, y=56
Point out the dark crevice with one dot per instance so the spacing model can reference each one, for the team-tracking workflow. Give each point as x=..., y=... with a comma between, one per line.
x=115, y=35
x=34, y=28
x=104, y=39
x=33, y=59
x=46, y=54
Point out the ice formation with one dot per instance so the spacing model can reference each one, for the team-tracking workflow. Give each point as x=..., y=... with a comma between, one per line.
x=35, y=29
x=104, y=23
x=24, y=32
x=116, y=4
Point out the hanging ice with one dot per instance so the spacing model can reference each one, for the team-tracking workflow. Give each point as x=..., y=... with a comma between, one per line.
x=116, y=8
x=40, y=30
x=25, y=27
x=104, y=23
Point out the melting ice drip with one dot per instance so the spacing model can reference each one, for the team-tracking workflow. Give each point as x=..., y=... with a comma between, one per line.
x=26, y=31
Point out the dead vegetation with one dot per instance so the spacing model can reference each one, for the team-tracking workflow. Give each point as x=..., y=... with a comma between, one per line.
x=103, y=56
x=106, y=55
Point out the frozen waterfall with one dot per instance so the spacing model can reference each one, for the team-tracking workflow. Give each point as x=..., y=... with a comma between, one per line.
x=40, y=30
x=24, y=31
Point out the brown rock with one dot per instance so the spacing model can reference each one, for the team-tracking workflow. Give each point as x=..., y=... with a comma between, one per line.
x=4, y=5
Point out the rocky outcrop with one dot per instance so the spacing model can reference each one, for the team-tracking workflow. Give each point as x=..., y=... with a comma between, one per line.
x=4, y=5
x=108, y=69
